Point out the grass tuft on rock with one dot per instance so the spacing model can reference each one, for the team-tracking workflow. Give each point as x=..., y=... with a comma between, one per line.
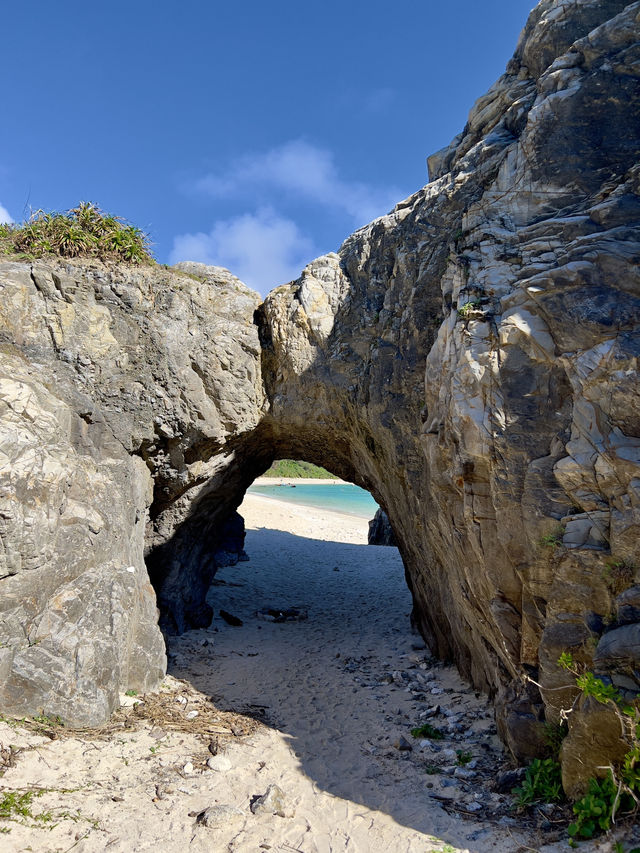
x=84, y=231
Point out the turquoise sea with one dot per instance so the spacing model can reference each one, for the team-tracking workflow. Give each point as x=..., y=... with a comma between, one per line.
x=342, y=497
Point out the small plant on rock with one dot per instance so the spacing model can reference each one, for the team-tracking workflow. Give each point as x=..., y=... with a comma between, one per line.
x=468, y=308
x=619, y=575
x=463, y=757
x=554, y=734
x=554, y=538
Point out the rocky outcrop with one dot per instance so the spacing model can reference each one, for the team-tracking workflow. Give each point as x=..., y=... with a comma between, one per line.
x=509, y=467
x=380, y=530
x=471, y=359
x=118, y=389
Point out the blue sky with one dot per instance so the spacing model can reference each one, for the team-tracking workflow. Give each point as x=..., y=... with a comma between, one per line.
x=251, y=135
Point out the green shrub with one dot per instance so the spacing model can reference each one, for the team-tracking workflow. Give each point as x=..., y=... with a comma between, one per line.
x=554, y=734
x=619, y=790
x=542, y=783
x=468, y=308
x=592, y=686
x=595, y=810
x=427, y=730
x=84, y=231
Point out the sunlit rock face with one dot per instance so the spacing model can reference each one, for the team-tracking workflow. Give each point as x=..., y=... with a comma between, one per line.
x=119, y=388
x=476, y=367
x=471, y=359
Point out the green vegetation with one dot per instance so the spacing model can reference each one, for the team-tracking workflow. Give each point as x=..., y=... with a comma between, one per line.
x=553, y=539
x=17, y=806
x=84, y=231
x=427, y=730
x=619, y=791
x=48, y=721
x=565, y=661
x=291, y=468
x=468, y=308
x=554, y=734
x=592, y=686
x=463, y=757
x=131, y=693
x=542, y=783
x=594, y=811
x=446, y=849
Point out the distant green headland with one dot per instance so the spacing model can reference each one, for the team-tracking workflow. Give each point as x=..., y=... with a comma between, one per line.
x=292, y=468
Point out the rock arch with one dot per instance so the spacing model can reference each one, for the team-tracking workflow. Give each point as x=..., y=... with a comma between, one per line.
x=471, y=359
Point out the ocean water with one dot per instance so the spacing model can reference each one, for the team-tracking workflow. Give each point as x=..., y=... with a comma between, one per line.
x=342, y=497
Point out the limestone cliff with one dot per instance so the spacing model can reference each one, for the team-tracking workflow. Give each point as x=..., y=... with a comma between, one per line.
x=471, y=359
x=118, y=388
x=509, y=466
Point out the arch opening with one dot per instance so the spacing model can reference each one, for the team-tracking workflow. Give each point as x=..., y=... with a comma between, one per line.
x=192, y=534
x=319, y=647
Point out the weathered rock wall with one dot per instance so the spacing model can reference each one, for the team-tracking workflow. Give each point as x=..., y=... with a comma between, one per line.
x=118, y=389
x=511, y=474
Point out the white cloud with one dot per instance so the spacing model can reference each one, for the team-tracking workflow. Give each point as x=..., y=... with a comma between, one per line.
x=263, y=249
x=304, y=171
x=4, y=215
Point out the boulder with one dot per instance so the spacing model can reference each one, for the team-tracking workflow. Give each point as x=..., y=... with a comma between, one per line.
x=380, y=530
x=595, y=742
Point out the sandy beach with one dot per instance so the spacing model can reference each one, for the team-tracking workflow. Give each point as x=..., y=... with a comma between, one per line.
x=316, y=692
x=296, y=481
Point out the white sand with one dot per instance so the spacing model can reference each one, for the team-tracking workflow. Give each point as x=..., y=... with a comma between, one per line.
x=333, y=691
x=297, y=481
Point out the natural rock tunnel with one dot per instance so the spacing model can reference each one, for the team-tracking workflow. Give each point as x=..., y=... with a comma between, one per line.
x=470, y=359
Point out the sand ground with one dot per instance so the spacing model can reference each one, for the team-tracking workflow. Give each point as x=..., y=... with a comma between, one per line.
x=322, y=707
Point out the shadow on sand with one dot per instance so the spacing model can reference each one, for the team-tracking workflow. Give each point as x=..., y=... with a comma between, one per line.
x=327, y=683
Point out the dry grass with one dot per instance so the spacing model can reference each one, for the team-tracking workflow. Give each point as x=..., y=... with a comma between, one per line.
x=168, y=709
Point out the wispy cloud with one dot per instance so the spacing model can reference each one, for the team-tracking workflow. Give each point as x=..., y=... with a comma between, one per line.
x=300, y=170
x=4, y=215
x=263, y=249
x=378, y=101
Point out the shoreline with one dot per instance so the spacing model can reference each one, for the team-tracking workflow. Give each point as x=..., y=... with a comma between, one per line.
x=300, y=513
x=302, y=481
x=292, y=503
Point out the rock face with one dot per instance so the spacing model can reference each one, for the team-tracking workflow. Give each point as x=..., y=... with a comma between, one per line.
x=380, y=530
x=117, y=389
x=471, y=359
